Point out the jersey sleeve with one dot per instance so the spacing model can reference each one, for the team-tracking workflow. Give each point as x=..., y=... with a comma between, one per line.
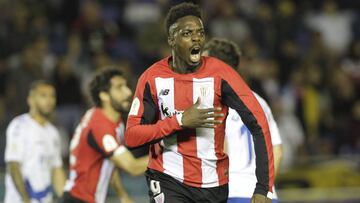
x=274, y=130
x=237, y=95
x=103, y=140
x=142, y=125
x=57, y=159
x=14, y=149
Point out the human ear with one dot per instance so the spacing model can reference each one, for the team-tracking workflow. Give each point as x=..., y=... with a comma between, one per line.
x=171, y=41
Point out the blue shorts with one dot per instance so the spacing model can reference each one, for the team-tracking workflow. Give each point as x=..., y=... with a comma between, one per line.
x=244, y=200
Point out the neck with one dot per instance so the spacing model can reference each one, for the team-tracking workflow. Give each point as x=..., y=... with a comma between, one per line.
x=180, y=66
x=38, y=118
x=111, y=113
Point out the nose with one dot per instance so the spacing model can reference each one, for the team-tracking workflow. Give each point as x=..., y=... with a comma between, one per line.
x=195, y=38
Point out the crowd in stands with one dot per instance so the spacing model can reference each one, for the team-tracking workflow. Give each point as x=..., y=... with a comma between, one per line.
x=303, y=57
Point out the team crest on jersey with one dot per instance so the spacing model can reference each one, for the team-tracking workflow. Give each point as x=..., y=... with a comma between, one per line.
x=204, y=91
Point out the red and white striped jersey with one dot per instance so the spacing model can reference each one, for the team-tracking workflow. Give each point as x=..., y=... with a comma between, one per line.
x=195, y=156
x=95, y=139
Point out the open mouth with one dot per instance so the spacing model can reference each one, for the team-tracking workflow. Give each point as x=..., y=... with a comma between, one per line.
x=195, y=54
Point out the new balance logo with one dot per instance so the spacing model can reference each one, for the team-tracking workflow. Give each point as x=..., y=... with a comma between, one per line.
x=164, y=92
x=165, y=110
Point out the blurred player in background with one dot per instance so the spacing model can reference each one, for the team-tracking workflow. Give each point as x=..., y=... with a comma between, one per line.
x=239, y=141
x=96, y=147
x=33, y=152
x=179, y=106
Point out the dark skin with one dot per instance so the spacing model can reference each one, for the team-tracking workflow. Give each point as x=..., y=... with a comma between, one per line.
x=186, y=35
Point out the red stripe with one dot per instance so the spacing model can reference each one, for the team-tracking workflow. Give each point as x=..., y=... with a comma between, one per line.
x=222, y=164
x=156, y=161
x=187, y=138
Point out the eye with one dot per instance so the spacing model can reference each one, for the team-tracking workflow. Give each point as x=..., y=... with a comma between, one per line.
x=186, y=34
x=202, y=33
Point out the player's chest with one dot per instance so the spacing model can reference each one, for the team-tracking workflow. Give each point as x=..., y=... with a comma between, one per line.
x=173, y=95
x=39, y=142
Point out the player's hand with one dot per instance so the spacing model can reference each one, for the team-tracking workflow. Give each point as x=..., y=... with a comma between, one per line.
x=194, y=117
x=126, y=199
x=258, y=198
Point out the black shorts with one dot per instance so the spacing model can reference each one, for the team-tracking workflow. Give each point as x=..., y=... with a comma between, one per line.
x=67, y=198
x=165, y=189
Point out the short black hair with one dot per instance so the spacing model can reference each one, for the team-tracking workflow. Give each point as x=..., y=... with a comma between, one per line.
x=101, y=83
x=35, y=84
x=224, y=50
x=179, y=11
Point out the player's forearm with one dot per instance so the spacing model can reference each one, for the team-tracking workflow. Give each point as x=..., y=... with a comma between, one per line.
x=264, y=165
x=15, y=173
x=137, y=166
x=116, y=183
x=58, y=178
x=263, y=150
x=140, y=165
x=140, y=134
x=123, y=159
x=278, y=152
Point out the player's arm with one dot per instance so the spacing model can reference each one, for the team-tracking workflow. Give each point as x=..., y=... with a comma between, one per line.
x=278, y=153
x=102, y=140
x=275, y=133
x=144, y=127
x=124, y=159
x=58, y=180
x=57, y=173
x=237, y=95
x=15, y=173
x=117, y=185
x=14, y=151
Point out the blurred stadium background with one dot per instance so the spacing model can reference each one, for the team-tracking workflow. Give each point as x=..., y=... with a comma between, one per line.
x=303, y=56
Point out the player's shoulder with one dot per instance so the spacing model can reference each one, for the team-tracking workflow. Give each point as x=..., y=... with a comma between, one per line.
x=213, y=62
x=156, y=68
x=18, y=125
x=99, y=124
x=20, y=120
x=218, y=67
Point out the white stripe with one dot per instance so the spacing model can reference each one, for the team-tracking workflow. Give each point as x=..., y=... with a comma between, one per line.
x=205, y=137
x=103, y=182
x=172, y=160
x=71, y=181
